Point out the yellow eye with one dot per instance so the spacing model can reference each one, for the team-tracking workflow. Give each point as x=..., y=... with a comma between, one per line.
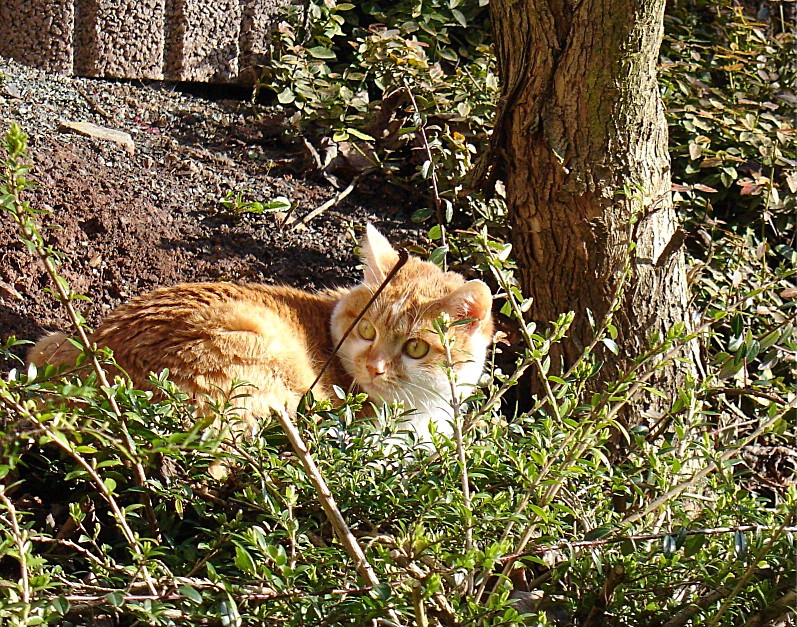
x=416, y=348
x=366, y=330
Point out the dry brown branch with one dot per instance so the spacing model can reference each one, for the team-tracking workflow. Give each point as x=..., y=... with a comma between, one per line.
x=326, y=499
x=438, y=202
x=323, y=207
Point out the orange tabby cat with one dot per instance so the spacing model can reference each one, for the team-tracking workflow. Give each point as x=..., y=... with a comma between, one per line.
x=277, y=338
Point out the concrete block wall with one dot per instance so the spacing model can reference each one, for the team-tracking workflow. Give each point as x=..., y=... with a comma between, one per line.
x=38, y=33
x=215, y=41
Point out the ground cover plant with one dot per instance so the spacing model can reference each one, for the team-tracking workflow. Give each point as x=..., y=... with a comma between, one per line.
x=107, y=506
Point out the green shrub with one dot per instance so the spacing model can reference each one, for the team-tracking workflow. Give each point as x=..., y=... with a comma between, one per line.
x=107, y=507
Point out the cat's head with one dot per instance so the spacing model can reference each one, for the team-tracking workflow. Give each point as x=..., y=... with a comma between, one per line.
x=393, y=353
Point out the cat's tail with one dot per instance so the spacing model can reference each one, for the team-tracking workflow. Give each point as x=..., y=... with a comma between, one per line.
x=54, y=349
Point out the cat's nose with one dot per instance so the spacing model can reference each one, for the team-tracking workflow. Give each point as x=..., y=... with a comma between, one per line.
x=375, y=368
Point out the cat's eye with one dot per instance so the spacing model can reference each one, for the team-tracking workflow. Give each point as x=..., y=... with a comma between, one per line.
x=416, y=348
x=366, y=330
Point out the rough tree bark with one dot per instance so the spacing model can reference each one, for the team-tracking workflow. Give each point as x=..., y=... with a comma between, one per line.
x=580, y=119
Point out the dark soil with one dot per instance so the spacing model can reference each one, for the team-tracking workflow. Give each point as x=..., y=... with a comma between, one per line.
x=128, y=223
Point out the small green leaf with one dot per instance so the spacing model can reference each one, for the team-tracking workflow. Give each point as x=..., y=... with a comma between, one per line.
x=191, y=594
x=438, y=255
x=740, y=544
x=360, y=135
x=286, y=96
x=668, y=546
x=244, y=561
x=611, y=345
x=422, y=214
x=115, y=598
x=320, y=52
x=693, y=544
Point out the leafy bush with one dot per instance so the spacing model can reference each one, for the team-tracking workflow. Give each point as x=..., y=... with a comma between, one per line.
x=109, y=510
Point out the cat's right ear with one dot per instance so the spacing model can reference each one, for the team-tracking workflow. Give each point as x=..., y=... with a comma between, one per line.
x=377, y=255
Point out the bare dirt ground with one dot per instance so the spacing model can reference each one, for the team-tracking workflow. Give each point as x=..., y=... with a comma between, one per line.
x=130, y=222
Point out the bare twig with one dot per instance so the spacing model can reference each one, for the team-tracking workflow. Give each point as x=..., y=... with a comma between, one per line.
x=22, y=543
x=322, y=208
x=456, y=407
x=404, y=255
x=421, y=620
x=438, y=202
x=771, y=614
x=339, y=525
x=644, y=537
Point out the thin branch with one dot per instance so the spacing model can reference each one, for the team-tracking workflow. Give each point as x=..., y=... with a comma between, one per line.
x=339, y=525
x=404, y=255
x=456, y=407
x=323, y=207
x=588, y=544
x=438, y=203
x=22, y=543
x=773, y=612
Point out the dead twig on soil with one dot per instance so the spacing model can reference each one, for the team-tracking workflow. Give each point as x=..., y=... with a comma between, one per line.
x=322, y=208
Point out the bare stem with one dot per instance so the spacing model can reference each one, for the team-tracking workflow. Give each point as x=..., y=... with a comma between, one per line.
x=22, y=543
x=456, y=408
x=438, y=202
x=327, y=501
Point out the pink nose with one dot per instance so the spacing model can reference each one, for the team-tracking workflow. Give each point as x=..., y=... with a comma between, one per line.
x=376, y=368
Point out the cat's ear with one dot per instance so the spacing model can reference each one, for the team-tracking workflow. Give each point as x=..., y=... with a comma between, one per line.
x=471, y=301
x=377, y=254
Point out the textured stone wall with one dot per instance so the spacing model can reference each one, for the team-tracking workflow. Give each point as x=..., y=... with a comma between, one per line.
x=38, y=33
x=216, y=41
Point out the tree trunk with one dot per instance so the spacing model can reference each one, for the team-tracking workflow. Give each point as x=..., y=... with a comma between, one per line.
x=580, y=121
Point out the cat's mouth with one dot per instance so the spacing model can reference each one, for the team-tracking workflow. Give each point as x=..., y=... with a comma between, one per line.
x=379, y=388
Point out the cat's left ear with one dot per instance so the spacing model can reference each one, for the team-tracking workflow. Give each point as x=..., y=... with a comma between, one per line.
x=473, y=300
x=377, y=254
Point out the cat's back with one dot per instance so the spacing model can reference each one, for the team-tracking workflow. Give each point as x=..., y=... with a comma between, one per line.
x=214, y=322
x=209, y=335
x=177, y=313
